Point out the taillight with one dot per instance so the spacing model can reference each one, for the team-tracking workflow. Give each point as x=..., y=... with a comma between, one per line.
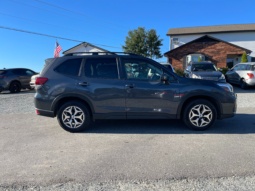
x=41, y=81
x=37, y=112
x=1, y=77
x=251, y=75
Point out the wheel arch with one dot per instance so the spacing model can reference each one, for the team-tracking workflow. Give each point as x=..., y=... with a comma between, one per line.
x=65, y=98
x=213, y=100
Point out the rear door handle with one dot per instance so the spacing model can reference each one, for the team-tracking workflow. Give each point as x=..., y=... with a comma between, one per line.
x=84, y=84
x=130, y=85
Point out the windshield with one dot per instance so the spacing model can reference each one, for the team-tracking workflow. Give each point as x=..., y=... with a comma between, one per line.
x=204, y=67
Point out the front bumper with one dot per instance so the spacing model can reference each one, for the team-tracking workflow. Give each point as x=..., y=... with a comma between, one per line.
x=229, y=109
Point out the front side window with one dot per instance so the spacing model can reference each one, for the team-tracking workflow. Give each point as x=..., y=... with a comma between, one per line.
x=242, y=67
x=70, y=67
x=101, y=68
x=141, y=70
x=203, y=67
x=30, y=73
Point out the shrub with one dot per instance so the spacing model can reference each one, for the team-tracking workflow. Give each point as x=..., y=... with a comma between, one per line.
x=244, y=58
x=224, y=70
x=179, y=71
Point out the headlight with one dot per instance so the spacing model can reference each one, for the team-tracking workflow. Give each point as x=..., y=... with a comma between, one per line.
x=222, y=77
x=196, y=76
x=226, y=87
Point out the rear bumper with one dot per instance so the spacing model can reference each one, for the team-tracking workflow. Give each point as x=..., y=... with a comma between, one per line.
x=250, y=82
x=45, y=113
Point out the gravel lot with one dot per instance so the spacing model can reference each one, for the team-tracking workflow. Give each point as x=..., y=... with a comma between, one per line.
x=130, y=156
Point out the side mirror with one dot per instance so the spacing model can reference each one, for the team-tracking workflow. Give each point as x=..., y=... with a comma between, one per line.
x=164, y=78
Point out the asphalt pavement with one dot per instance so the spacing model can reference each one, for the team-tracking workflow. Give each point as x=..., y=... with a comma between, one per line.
x=36, y=151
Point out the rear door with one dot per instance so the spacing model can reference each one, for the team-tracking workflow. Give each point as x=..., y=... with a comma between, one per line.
x=232, y=75
x=101, y=85
x=146, y=95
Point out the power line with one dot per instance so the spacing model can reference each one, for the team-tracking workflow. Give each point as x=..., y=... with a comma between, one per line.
x=20, y=30
x=79, y=13
x=65, y=15
x=55, y=25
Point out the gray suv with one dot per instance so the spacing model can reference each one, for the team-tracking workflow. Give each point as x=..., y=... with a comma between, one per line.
x=15, y=79
x=204, y=71
x=78, y=88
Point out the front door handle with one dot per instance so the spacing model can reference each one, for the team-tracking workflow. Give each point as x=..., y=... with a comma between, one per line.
x=84, y=84
x=130, y=85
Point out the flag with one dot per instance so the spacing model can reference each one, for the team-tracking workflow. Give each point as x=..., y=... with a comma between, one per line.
x=57, y=49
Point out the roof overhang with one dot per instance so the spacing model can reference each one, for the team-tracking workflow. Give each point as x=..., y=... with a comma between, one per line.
x=246, y=50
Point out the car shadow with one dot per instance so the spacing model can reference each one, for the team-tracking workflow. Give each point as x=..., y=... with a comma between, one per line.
x=233, y=125
x=238, y=89
x=21, y=92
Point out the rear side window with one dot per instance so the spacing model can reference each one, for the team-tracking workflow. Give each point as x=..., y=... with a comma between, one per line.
x=242, y=67
x=17, y=71
x=70, y=67
x=253, y=68
x=248, y=67
x=2, y=72
x=101, y=68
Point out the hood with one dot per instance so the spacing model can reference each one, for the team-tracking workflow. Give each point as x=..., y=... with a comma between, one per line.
x=208, y=74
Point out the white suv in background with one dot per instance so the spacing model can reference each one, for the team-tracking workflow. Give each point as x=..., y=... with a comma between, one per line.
x=242, y=74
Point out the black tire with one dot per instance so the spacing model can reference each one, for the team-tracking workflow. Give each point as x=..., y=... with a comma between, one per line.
x=15, y=87
x=243, y=84
x=226, y=77
x=193, y=104
x=83, y=108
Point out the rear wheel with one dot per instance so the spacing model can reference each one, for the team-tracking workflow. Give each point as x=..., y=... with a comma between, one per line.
x=243, y=84
x=15, y=87
x=199, y=114
x=74, y=116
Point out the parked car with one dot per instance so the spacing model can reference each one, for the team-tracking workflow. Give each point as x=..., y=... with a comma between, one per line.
x=203, y=70
x=32, y=82
x=168, y=65
x=78, y=88
x=15, y=79
x=242, y=74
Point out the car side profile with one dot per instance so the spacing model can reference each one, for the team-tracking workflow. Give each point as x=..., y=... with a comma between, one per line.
x=78, y=88
x=15, y=79
x=242, y=74
x=203, y=70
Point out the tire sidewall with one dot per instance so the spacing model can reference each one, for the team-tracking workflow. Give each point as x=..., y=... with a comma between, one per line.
x=85, y=110
x=190, y=106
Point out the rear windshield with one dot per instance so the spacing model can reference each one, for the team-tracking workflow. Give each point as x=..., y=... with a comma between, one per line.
x=203, y=67
x=252, y=67
x=2, y=72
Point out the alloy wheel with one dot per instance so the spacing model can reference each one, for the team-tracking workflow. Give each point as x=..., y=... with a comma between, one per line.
x=200, y=115
x=73, y=117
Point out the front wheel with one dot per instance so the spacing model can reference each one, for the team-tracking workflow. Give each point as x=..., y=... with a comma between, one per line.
x=74, y=116
x=199, y=114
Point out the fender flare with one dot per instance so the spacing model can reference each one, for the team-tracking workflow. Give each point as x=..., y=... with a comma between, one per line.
x=70, y=95
x=180, y=107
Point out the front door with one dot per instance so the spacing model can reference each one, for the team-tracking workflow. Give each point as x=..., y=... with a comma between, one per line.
x=100, y=85
x=146, y=95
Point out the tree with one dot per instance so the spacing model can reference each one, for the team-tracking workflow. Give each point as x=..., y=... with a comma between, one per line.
x=244, y=58
x=199, y=59
x=144, y=43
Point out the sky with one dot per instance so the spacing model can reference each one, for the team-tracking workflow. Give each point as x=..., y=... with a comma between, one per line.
x=106, y=23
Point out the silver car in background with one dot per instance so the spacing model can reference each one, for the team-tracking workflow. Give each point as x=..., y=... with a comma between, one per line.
x=242, y=74
x=32, y=82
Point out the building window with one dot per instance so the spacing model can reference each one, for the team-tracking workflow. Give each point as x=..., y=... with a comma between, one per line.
x=195, y=58
x=175, y=41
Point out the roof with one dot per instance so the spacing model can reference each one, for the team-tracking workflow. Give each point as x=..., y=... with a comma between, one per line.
x=207, y=36
x=211, y=29
x=85, y=44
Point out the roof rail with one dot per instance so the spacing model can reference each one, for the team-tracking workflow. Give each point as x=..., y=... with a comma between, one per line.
x=99, y=53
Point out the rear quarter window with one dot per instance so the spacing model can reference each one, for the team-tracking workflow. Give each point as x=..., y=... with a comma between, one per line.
x=253, y=68
x=70, y=67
